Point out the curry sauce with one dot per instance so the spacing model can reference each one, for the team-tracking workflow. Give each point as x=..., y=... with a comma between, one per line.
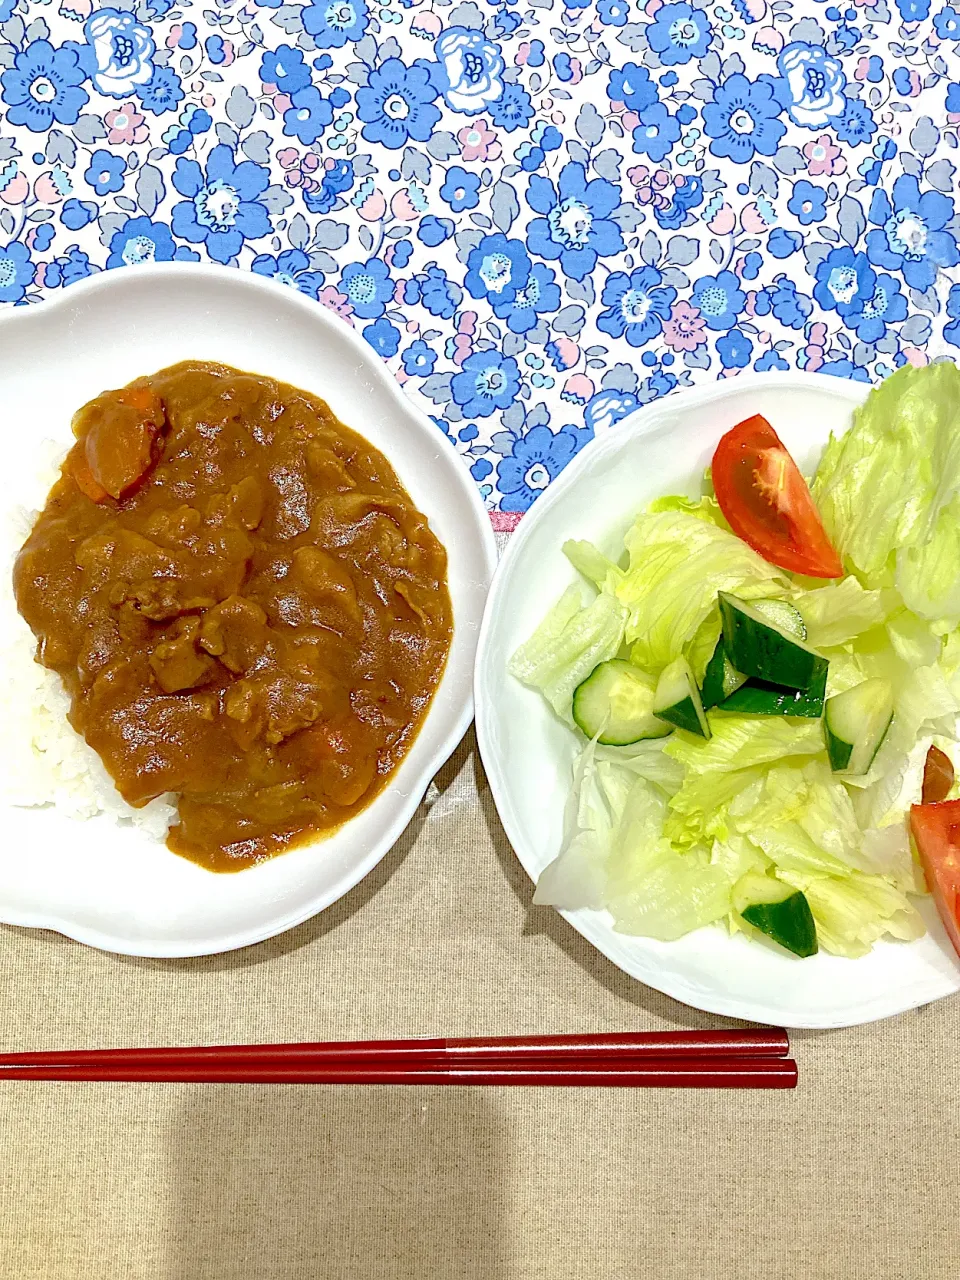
x=243, y=604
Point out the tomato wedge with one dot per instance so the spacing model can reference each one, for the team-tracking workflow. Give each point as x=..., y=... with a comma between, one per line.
x=766, y=501
x=936, y=830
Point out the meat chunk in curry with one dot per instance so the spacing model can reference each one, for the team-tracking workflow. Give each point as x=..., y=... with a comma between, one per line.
x=243, y=604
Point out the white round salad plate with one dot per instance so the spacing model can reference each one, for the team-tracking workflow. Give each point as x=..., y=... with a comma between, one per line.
x=110, y=885
x=528, y=753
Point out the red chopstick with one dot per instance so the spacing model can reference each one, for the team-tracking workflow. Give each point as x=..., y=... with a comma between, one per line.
x=676, y=1072
x=500, y=1051
x=690, y=1059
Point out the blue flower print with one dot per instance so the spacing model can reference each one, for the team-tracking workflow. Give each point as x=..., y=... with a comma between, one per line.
x=743, y=119
x=141, y=240
x=953, y=97
x=486, y=382
x=16, y=272
x=607, y=408
x=285, y=67
x=687, y=195
x=333, y=22
x=369, y=287
x=844, y=281
x=613, y=13
x=43, y=85
x=679, y=33
x=77, y=213
x=808, y=203
x=951, y=331
x=788, y=306
x=771, y=359
x=909, y=235
x=497, y=268
x=105, y=172
x=213, y=47
x=6, y=9
x=535, y=460
x=845, y=369
x=734, y=350
x=338, y=178
x=433, y=230
x=164, y=92
x=914, y=10
x=539, y=296
x=221, y=209
x=720, y=299
x=656, y=133
x=68, y=268
x=857, y=124
x=118, y=56
x=291, y=267
x=461, y=189
x=947, y=23
x=637, y=305
x=308, y=117
x=813, y=85
x=383, y=336
x=468, y=70
x=440, y=295
x=872, y=315
x=419, y=359
x=631, y=85
x=576, y=228
x=402, y=252
x=396, y=104
x=513, y=109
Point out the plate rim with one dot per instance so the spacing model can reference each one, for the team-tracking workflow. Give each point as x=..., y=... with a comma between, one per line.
x=315, y=313
x=641, y=422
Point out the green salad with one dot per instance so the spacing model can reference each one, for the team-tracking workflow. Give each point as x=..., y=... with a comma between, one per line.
x=755, y=683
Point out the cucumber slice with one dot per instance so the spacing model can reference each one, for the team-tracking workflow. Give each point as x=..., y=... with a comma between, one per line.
x=783, y=616
x=760, y=698
x=677, y=700
x=616, y=702
x=856, y=723
x=778, y=910
x=720, y=678
x=759, y=647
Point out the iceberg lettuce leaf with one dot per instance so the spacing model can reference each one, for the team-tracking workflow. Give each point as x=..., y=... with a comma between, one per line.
x=888, y=490
x=678, y=563
x=835, y=614
x=567, y=645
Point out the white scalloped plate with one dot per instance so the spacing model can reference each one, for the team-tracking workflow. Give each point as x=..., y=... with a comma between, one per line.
x=528, y=754
x=109, y=885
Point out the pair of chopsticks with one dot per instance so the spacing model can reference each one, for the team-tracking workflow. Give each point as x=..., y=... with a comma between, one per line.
x=747, y=1059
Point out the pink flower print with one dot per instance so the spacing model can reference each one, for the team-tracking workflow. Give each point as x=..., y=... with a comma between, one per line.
x=723, y=221
x=685, y=330
x=14, y=187
x=478, y=142
x=752, y=219
x=288, y=157
x=53, y=186
x=823, y=156
x=427, y=25
x=336, y=302
x=126, y=125
x=578, y=389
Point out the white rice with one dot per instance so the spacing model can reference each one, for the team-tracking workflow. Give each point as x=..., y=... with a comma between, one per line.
x=43, y=760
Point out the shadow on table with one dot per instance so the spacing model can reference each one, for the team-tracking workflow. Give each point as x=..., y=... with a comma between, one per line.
x=290, y=1182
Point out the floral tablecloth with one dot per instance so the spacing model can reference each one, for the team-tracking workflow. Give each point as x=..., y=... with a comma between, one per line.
x=541, y=213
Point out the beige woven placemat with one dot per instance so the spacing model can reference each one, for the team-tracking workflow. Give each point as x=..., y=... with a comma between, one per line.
x=854, y=1175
